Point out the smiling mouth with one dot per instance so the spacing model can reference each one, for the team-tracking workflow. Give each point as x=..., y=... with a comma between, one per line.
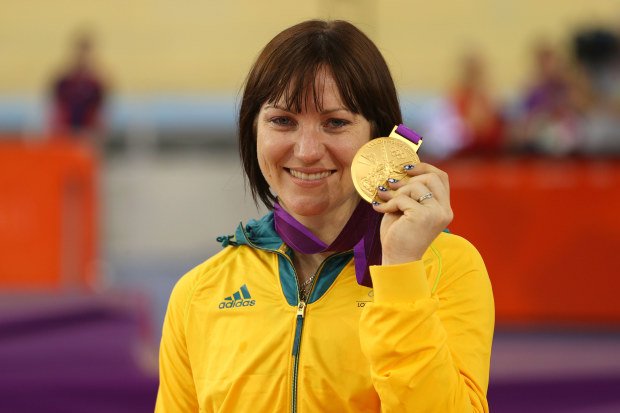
x=309, y=177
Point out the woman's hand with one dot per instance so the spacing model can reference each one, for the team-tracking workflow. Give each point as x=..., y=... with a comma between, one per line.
x=413, y=219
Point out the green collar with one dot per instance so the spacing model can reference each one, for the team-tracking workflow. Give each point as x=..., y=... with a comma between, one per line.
x=259, y=233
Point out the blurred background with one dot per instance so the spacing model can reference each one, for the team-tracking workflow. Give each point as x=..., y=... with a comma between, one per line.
x=118, y=170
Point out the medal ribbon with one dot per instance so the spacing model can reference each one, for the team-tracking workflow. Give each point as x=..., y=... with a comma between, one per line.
x=360, y=233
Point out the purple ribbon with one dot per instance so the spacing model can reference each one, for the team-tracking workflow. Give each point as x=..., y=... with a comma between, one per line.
x=360, y=233
x=407, y=133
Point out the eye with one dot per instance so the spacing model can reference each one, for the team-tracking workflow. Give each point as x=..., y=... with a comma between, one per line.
x=336, y=123
x=281, y=121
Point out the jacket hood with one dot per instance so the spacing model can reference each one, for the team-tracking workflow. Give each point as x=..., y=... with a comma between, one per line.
x=259, y=233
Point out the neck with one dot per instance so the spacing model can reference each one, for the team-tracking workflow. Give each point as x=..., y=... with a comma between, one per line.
x=357, y=229
x=307, y=264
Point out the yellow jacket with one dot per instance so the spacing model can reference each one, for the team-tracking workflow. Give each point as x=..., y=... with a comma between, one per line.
x=237, y=339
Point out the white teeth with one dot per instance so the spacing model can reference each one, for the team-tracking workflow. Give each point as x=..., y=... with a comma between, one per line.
x=310, y=177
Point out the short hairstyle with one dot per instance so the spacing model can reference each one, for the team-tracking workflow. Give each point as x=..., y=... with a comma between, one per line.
x=287, y=68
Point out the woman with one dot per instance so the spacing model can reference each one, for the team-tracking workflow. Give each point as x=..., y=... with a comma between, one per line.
x=267, y=326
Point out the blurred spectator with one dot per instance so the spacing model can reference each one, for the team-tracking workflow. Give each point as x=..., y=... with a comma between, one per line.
x=481, y=117
x=597, y=50
x=597, y=54
x=78, y=93
x=547, y=120
x=467, y=120
x=440, y=120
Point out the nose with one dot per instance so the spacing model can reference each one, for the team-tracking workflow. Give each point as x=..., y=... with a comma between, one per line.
x=309, y=147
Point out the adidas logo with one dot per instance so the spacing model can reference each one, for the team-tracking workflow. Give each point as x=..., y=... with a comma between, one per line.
x=241, y=298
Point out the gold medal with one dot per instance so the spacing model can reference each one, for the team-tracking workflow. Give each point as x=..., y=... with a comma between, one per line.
x=381, y=159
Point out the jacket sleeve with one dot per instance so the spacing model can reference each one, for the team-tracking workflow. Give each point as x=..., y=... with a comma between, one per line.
x=429, y=351
x=177, y=392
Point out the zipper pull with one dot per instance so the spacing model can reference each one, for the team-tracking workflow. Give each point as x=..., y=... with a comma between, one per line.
x=301, y=309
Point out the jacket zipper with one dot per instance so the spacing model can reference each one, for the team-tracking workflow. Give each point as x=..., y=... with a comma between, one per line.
x=299, y=323
x=299, y=319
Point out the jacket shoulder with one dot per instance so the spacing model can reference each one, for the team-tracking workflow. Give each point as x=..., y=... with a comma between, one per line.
x=206, y=274
x=454, y=246
x=452, y=257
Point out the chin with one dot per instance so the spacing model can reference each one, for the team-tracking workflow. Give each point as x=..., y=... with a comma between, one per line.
x=305, y=207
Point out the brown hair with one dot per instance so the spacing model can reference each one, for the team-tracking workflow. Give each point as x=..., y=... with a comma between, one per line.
x=287, y=68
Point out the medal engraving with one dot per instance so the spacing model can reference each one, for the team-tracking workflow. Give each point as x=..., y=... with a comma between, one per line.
x=378, y=160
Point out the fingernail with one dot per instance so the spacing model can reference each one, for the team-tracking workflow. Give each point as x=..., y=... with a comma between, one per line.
x=382, y=188
x=375, y=203
x=392, y=180
x=408, y=167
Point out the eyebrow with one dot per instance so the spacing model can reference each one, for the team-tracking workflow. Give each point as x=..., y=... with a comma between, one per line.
x=326, y=111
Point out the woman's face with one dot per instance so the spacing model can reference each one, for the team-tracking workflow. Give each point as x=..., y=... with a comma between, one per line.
x=306, y=157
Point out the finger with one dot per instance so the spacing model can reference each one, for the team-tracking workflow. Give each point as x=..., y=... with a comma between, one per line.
x=420, y=170
x=436, y=186
x=413, y=189
x=425, y=168
x=403, y=204
x=420, y=185
x=399, y=204
x=419, y=195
